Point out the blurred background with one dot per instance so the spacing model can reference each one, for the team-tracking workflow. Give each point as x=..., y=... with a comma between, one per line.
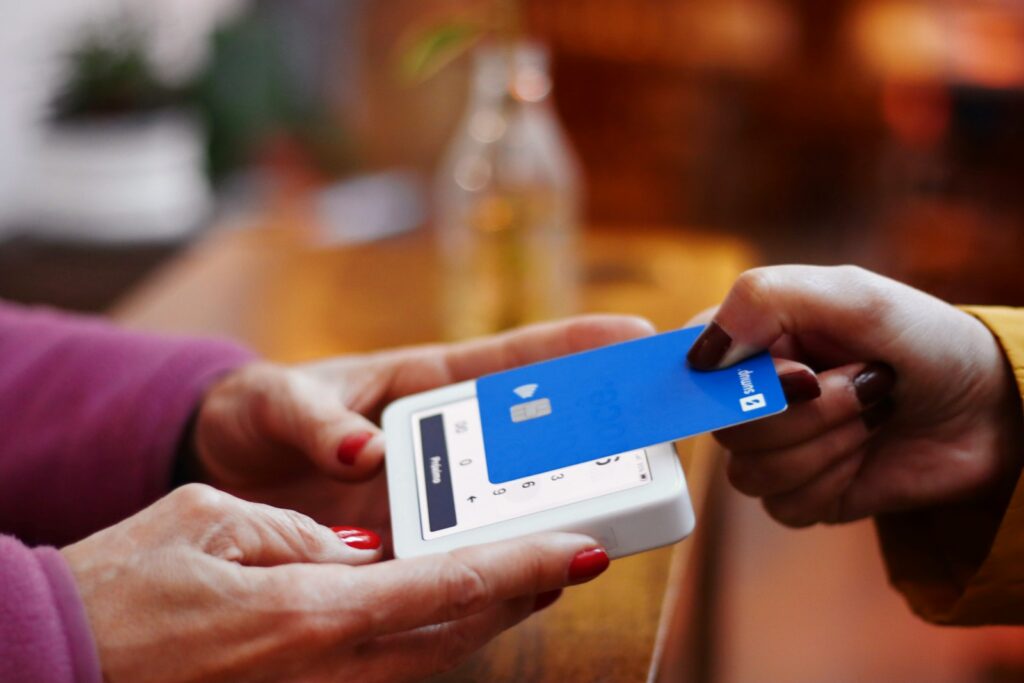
x=887, y=133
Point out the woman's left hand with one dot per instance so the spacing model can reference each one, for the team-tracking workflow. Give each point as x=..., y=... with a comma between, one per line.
x=298, y=436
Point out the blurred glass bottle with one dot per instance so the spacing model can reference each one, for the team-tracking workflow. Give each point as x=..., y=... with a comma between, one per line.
x=508, y=200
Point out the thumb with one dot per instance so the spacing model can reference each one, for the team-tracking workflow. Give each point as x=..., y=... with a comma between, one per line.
x=309, y=416
x=259, y=535
x=765, y=304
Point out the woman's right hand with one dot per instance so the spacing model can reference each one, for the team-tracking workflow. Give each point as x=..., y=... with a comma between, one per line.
x=918, y=406
x=202, y=586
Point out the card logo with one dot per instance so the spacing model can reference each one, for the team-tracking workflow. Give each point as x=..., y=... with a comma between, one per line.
x=748, y=403
x=531, y=410
x=750, y=400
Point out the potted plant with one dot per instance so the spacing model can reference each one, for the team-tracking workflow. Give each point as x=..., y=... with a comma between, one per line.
x=121, y=158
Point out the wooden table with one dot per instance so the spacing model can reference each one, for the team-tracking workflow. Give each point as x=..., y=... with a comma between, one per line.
x=270, y=286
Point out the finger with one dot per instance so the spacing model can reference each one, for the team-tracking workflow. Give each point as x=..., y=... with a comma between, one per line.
x=766, y=303
x=799, y=382
x=445, y=587
x=431, y=650
x=784, y=347
x=310, y=416
x=270, y=536
x=542, y=341
x=401, y=595
x=260, y=535
x=773, y=473
x=350, y=447
x=821, y=499
x=837, y=404
x=419, y=369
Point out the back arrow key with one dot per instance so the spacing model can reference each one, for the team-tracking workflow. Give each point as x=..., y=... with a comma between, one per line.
x=472, y=499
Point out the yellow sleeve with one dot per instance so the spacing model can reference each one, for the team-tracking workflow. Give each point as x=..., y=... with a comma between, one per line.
x=964, y=564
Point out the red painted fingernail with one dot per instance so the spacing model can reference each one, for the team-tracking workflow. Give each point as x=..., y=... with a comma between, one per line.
x=800, y=386
x=351, y=446
x=546, y=599
x=587, y=564
x=709, y=348
x=361, y=539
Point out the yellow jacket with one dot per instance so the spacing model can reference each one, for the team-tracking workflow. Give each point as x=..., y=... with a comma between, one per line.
x=965, y=564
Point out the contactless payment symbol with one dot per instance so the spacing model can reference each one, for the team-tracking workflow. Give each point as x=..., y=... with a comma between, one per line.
x=748, y=403
x=525, y=391
x=530, y=410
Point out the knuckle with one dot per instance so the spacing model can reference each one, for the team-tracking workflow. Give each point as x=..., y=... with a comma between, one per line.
x=872, y=301
x=303, y=531
x=754, y=286
x=853, y=273
x=199, y=500
x=267, y=384
x=466, y=589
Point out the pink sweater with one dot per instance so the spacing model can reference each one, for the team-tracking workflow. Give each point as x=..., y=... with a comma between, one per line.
x=90, y=420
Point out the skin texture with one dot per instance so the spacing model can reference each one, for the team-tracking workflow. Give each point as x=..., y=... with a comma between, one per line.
x=949, y=430
x=206, y=586
x=202, y=586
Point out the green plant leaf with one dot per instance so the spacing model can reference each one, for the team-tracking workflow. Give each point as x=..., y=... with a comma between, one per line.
x=109, y=74
x=437, y=47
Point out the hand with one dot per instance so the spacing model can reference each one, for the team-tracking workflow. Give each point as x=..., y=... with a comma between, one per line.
x=917, y=406
x=202, y=586
x=290, y=436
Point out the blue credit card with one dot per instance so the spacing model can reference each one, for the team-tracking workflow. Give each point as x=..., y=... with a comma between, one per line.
x=590, y=405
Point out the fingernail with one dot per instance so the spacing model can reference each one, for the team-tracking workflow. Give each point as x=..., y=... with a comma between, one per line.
x=877, y=414
x=351, y=446
x=587, y=564
x=546, y=599
x=354, y=537
x=709, y=348
x=800, y=386
x=874, y=383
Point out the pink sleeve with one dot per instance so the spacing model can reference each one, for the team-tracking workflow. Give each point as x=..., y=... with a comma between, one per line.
x=44, y=631
x=91, y=418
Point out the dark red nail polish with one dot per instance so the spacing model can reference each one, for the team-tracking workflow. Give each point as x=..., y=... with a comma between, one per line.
x=800, y=386
x=587, y=564
x=874, y=383
x=546, y=599
x=709, y=348
x=361, y=539
x=351, y=446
